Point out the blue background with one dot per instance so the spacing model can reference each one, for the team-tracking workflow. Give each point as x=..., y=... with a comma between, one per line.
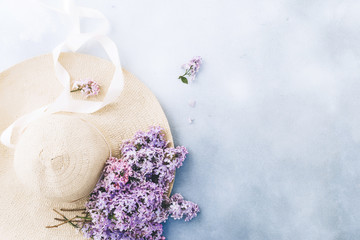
x=274, y=146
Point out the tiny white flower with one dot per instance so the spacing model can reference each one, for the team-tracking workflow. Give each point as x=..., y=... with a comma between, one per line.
x=192, y=103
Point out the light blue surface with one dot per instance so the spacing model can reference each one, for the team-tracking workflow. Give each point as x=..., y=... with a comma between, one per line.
x=274, y=147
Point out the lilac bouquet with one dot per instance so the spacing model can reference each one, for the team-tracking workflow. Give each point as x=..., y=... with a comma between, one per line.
x=131, y=199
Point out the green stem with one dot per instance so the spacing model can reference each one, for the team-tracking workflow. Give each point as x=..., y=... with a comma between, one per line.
x=69, y=221
x=86, y=218
x=187, y=72
x=75, y=90
x=83, y=224
x=64, y=222
x=72, y=210
x=74, y=220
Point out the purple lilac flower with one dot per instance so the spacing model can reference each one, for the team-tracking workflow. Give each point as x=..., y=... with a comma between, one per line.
x=130, y=201
x=87, y=87
x=191, y=69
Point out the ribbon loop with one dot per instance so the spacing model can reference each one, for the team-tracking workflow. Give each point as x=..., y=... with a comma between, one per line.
x=65, y=103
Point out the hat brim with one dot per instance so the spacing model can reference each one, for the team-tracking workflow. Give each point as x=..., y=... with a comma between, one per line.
x=33, y=84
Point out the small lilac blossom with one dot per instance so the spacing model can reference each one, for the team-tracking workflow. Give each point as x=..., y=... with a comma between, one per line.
x=190, y=120
x=192, y=103
x=191, y=69
x=130, y=200
x=87, y=87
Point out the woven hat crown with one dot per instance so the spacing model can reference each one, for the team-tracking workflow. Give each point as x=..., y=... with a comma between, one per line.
x=60, y=157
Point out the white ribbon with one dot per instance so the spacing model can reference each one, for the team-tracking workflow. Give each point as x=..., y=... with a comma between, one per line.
x=65, y=103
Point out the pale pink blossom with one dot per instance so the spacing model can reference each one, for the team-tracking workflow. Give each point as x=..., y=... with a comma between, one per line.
x=87, y=87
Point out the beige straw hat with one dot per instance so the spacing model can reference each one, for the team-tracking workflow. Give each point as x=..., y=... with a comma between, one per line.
x=59, y=157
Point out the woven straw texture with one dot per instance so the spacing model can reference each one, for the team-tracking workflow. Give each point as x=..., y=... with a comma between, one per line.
x=60, y=140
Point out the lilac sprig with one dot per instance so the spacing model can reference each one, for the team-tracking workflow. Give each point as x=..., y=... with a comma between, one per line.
x=130, y=201
x=87, y=87
x=191, y=69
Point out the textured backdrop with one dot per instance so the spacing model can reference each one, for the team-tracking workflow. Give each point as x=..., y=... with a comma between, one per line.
x=274, y=146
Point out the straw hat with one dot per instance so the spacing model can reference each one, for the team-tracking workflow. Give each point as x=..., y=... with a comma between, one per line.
x=59, y=158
